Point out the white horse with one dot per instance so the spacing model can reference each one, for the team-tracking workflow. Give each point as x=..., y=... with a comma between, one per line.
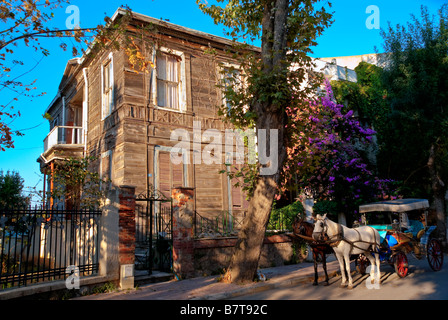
x=346, y=241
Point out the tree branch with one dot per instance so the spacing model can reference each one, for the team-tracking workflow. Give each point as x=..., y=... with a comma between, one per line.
x=46, y=34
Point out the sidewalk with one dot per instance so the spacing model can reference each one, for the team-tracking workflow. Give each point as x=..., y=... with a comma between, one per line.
x=208, y=288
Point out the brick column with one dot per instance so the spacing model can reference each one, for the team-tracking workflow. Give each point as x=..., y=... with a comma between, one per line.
x=126, y=236
x=183, y=255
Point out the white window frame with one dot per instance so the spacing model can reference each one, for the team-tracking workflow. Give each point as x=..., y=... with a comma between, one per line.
x=221, y=68
x=182, y=88
x=107, y=106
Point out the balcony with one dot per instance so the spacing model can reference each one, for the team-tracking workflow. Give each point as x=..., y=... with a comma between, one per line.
x=63, y=142
x=64, y=135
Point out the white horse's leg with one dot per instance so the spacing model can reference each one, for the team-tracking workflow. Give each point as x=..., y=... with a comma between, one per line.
x=341, y=267
x=347, y=267
x=371, y=258
x=378, y=262
x=375, y=277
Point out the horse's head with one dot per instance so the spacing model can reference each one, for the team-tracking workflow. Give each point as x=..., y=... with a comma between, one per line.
x=320, y=228
x=297, y=225
x=303, y=226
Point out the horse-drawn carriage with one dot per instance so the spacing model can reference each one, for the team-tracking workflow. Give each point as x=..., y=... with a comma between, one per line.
x=403, y=228
x=385, y=242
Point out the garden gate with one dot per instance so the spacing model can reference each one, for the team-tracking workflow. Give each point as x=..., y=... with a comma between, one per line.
x=154, y=225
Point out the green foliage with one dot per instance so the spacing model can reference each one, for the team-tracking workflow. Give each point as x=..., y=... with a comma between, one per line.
x=367, y=96
x=105, y=288
x=243, y=177
x=417, y=93
x=283, y=218
x=11, y=190
x=76, y=184
x=326, y=207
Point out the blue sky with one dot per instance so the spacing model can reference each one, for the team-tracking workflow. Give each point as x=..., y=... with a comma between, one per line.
x=347, y=36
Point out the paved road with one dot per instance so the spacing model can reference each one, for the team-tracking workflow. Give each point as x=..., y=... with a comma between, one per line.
x=420, y=284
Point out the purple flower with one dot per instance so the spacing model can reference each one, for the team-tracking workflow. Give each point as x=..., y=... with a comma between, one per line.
x=349, y=114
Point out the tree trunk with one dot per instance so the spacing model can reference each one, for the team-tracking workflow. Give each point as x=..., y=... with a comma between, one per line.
x=438, y=190
x=244, y=262
x=270, y=115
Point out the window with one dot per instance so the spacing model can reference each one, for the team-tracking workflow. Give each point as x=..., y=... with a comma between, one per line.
x=167, y=81
x=107, y=88
x=231, y=77
x=170, y=80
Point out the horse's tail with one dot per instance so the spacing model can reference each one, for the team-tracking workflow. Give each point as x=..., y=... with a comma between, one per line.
x=377, y=240
x=375, y=245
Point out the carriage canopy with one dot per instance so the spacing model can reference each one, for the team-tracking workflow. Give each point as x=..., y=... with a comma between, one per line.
x=398, y=206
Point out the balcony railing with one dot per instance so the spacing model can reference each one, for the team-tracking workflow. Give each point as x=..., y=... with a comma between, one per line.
x=64, y=135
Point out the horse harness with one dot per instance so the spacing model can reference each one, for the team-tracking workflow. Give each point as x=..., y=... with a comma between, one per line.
x=336, y=239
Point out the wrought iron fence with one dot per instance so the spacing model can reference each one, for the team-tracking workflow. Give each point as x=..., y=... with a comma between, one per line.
x=224, y=225
x=38, y=245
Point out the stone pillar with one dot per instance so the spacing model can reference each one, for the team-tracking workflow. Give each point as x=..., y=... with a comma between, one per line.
x=183, y=232
x=341, y=219
x=126, y=236
x=108, y=250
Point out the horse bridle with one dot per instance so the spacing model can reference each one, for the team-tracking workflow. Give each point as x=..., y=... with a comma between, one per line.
x=324, y=235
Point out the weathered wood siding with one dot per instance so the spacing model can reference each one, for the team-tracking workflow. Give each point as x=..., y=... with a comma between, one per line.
x=137, y=133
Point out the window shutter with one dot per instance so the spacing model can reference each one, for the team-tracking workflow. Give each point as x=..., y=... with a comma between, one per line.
x=164, y=173
x=178, y=175
x=111, y=87
x=107, y=87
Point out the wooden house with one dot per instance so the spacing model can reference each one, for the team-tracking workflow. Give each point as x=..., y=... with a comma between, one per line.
x=123, y=117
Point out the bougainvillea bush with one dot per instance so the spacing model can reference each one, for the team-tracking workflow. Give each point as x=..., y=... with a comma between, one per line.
x=326, y=155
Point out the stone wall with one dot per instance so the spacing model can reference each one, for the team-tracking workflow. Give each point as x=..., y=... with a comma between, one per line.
x=201, y=257
x=212, y=256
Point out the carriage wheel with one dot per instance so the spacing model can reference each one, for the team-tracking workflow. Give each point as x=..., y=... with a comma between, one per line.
x=362, y=263
x=401, y=264
x=434, y=254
